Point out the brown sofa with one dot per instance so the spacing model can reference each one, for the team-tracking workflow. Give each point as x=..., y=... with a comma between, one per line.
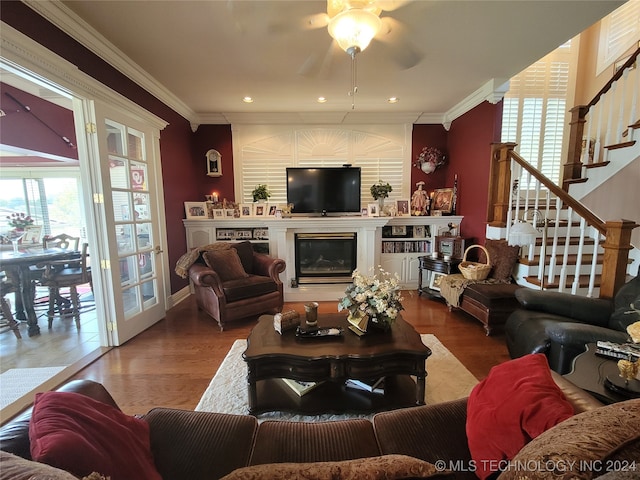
x=200, y=445
x=230, y=290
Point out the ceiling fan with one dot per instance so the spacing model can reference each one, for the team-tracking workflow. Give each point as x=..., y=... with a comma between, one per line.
x=347, y=20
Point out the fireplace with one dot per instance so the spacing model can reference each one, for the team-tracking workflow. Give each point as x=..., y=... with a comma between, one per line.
x=325, y=257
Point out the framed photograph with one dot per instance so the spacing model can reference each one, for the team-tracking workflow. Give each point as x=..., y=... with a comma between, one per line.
x=196, y=210
x=442, y=200
x=218, y=213
x=246, y=209
x=372, y=210
x=32, y=235
x=229, y=212
x=436, y=280
x=399, y=230
x=419, y=231
x=402, y=207
x=272, y=209
x=260, y=210
x=364, y=212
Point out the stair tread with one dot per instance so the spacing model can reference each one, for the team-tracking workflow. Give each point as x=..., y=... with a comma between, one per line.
x=571, y=259
x=616, y=146
x=583, y=281
x=597, y=165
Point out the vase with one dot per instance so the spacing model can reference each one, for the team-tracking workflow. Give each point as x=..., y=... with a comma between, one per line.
x=381, y=206
x=381, y=323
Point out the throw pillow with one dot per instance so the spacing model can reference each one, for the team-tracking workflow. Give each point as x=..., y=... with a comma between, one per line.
x=245, y=252
x=589, y=444
x=515, y=403
x=81, y=435
x=18, y=468
x=386, y=467
x=226, y=263
x=502, y=257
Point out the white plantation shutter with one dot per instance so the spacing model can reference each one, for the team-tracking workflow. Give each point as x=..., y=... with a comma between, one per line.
x=265, y=161
x=619, y=32
x=535, y=113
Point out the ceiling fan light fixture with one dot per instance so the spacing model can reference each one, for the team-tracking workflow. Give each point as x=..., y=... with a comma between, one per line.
x=354, y=29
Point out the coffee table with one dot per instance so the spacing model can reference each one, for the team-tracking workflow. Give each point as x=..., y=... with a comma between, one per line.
x=589, y=372
x=396, y=355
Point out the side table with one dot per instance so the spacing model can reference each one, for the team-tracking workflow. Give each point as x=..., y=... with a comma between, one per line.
x=589, y=372
x=431, y=270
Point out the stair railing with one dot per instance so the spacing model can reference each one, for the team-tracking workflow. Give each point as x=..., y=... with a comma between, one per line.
x=508, y=200
x=605, y=123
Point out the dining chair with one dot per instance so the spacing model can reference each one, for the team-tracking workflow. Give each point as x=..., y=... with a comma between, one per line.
x=8, y=321
x=66, y=274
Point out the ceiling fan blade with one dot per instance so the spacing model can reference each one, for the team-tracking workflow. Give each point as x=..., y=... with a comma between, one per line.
x=308, y=22
x=391, y=5
x=319, y=66
x=396, y=40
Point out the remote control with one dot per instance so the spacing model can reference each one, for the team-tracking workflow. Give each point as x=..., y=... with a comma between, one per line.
x=319, y=332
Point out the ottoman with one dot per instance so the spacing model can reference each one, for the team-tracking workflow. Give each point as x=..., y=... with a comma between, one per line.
x=491, y=303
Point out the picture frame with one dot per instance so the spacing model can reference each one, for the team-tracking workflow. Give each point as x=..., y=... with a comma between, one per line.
x=419, y=231
x=442, y=200
x=246, y=210
x=260, y=210
x=403, y=207
x=32, y=235
x=218, y=213
x=372, y=210
x=229, y=212
x=271, y=210
x=196, y=210
x=364, y=212
x=436, y=280
x=399, y=230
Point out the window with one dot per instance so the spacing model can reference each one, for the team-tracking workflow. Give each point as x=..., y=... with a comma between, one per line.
x=619, y=32
x=379, y=156
x=51, y=198
x=535, y=113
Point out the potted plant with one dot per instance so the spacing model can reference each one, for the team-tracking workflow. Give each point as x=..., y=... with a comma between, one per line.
x=380, y=191
x=261, y=192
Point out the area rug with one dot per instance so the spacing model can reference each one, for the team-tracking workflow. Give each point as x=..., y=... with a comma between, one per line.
x=17, y=382
x=447, y=379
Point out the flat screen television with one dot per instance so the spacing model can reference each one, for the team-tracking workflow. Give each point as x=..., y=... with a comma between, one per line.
x=324, y=190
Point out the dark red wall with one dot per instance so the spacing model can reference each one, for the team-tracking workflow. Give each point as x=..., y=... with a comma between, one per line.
x=24, y=128
x=217, y=137
x=469, y=146
x=428, y=136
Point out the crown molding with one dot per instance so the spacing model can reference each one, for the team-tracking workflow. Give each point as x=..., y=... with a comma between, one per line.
x=66, y=20
x=493, y=91
x=24, y=56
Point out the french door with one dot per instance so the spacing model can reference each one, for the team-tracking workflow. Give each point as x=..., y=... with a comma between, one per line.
x=129, y=158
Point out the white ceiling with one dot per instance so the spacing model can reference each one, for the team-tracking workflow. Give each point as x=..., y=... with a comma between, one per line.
x=438, y=56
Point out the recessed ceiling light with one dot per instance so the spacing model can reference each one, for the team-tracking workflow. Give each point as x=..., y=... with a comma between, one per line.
x=322, y=100
x=247, y=100
x=393, y=100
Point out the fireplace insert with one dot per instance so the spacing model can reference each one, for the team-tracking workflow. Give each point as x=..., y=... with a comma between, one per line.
x=325, y=257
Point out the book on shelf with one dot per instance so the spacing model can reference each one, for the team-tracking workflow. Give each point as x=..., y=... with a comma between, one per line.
x=371, y=386
x=299, y=387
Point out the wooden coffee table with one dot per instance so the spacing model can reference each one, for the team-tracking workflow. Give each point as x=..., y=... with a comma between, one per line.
x=396, y=355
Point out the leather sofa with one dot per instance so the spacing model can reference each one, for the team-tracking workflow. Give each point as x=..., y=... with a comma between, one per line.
x=200, y=445
x=560, y=324
x=229, y=294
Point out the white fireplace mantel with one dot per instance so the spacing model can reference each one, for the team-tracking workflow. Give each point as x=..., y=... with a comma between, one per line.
x=281, y=235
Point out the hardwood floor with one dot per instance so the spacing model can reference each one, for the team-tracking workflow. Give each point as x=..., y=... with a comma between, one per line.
x=172, y=363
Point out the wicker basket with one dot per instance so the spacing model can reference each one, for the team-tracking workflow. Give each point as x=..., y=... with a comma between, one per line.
x=475, y=270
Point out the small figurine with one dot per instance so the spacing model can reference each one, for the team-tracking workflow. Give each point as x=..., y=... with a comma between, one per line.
x=419, y=200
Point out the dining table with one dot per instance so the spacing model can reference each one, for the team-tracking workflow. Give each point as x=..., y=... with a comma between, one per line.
x=18, y=266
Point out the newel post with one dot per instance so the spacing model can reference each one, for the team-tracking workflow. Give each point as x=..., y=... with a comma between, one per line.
x=572, y=168
x=499, y=184
x=616, y=255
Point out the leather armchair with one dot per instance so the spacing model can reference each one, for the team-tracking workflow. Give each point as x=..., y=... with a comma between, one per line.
x=229, y=299
x=560, y=324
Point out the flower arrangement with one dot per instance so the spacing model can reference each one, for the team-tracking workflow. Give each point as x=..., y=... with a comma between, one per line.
x=376, y=297
x=19, y=220
x=429, y=159
x=380, y=190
